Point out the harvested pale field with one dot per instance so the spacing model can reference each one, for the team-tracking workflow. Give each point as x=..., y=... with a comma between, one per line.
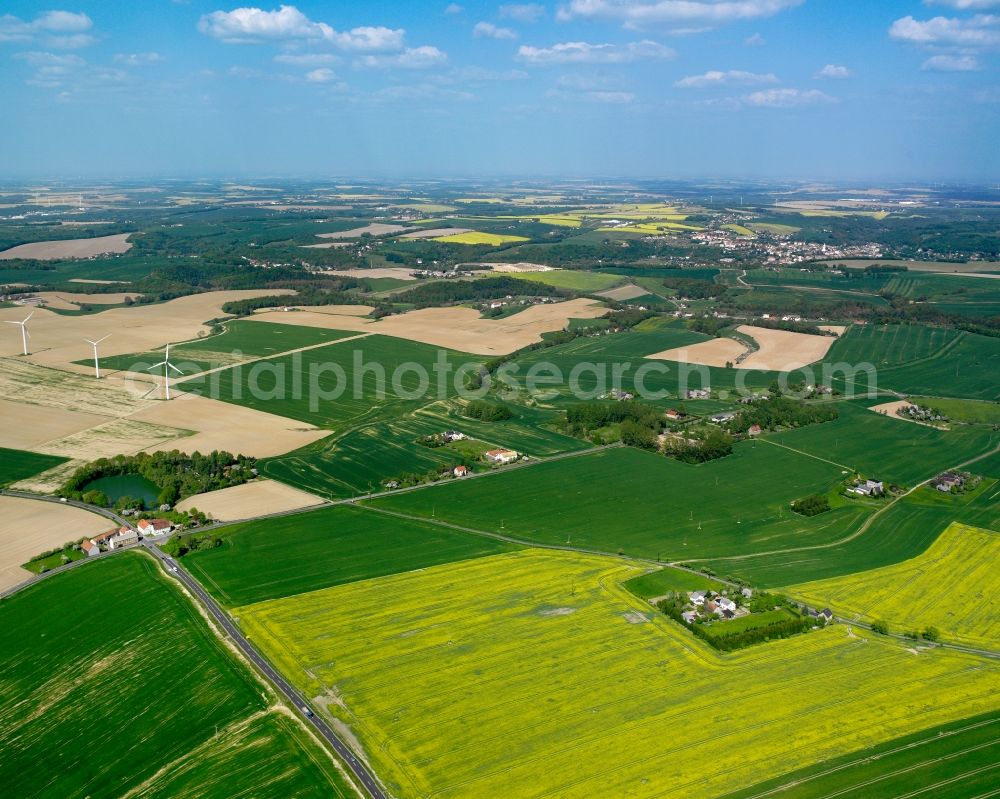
x=437, y=232
x=890, y=408
x=29, y=527
x=95, y=282
x=838, y=329
x=328, y=245
x=225, y=426
x=58, y=340
x=37, y=385
x=783, y=351
x=113, y=437
x=374, y=229
x=67, y=301
x=456, y=328
x=250, y=499
x=30, y=426
x=715, y=352
x=994, y=276
x=629, y=292
x=51, y=480
x=518, y=267
x=69, y=248
x=397, y=272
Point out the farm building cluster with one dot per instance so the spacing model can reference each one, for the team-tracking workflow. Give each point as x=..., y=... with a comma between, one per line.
x=124, y=536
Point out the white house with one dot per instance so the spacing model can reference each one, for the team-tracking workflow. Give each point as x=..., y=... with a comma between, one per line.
x=124, y=537
x=151, y=527
x=89, y=548
x=501, y=456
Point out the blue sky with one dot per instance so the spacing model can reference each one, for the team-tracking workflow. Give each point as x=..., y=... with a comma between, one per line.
x=869, y=90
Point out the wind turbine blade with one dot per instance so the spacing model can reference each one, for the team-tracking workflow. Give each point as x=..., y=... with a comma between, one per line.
x=155, y=366
x=92, y=343
x=12, y=322
x=175, y=368
x=28, y=317
x=102, y=339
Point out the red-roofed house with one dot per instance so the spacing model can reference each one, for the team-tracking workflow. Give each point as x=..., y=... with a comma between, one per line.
x=89, y=548
x=461, y=471
x=755, y=430
x=148, y=527
x=501, y=456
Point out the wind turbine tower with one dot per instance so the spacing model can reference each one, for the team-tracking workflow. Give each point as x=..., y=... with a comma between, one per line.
x=24, y=330
x=97, y=363
x=165, y=363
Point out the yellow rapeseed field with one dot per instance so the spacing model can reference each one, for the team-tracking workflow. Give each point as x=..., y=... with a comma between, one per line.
x=535, y=674
x=475, y=237
x=953, y=586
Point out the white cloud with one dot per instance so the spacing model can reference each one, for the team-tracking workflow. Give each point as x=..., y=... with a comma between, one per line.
x=307, y=59
x=487, y=30
x=965, y=5
x=61, y=29
x=288, y=24
x=834, y=72
x=68, y=71
x=585, y=53
x=321, y=75
x=525, y=13
x=981, y=30
x=645, y=13
x=474, y=74
x=617, y=98
x=729, y=78
x=786, y=98
x=411, y=58
x=754, y=40
x=951, y=63
x=138, y=59
x=454, y=8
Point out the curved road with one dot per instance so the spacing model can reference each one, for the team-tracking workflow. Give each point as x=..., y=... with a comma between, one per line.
x=360, y=771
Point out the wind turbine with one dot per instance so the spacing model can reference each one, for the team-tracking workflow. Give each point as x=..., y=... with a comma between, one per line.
x=24, y=330
x=97, y=363
x=165, y=363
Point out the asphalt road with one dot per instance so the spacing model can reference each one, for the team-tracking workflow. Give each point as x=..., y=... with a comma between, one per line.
x=360, y=771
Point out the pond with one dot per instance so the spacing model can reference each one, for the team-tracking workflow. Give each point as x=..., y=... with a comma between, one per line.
x=125, y=485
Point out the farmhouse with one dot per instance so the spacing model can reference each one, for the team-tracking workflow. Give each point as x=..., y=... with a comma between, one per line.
x=675, y=415
x=947, y=481
x=720, y=418
x=868, y=488
x=150, y=527
x=461, y=471
x=89, y=548
x=452, y=435
x=501, y=456
x=698, y=393
x=122, y=537
x=754, y=430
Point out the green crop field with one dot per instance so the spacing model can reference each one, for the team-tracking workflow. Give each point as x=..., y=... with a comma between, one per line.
x=278, y=557
x=968, y=411
x=361, y=459
x=934, y=362
x=645, y=504
x=19, y=464
x=886, y=447
x=112, y=683
x=239, y=341
x=536, y=674
x=904, y=530
x=952, y=586
x=576, y=280
x=305, y=385
x=952, y=761
x=657, y=583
